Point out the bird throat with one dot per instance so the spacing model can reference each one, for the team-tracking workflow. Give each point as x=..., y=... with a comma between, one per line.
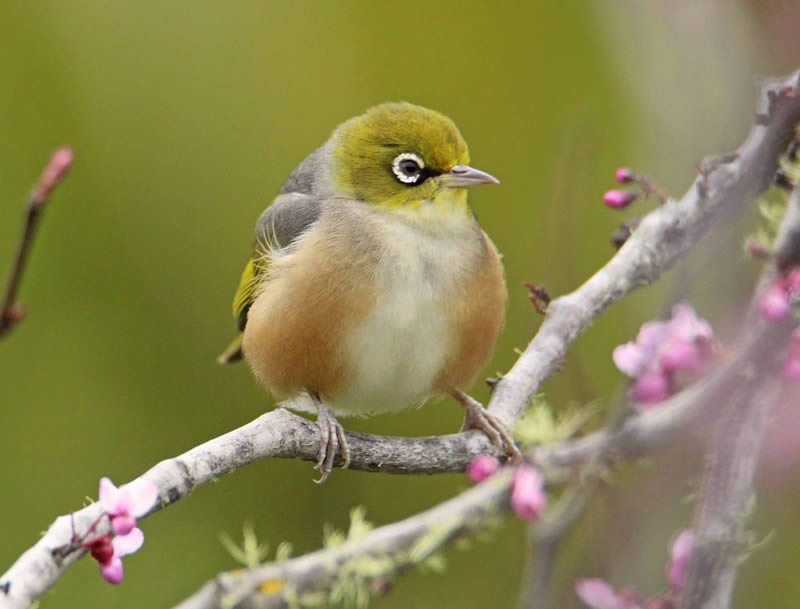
x=447, y=210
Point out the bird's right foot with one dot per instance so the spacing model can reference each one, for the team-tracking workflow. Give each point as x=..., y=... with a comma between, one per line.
x=331, y=441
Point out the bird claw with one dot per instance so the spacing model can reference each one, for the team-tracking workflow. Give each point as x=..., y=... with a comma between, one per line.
x=477, y=417
x=331, y=441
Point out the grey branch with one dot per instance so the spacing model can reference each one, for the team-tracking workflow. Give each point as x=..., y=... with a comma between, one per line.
x=662, y=238
x=727, y=495
x=381, y=554
x=544, y=538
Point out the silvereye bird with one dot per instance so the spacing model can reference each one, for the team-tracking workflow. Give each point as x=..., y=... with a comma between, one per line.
x=372, y=287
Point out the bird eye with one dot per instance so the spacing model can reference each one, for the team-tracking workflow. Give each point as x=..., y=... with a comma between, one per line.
x=407, y=168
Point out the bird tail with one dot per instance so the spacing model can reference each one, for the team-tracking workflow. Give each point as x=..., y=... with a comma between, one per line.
x=233, y=352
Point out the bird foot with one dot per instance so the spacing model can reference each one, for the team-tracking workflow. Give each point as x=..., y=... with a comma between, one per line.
x=331, y=441
x=477, y=417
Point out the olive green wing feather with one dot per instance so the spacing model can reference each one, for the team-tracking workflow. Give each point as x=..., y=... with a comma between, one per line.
x=242, y=300
x=289, y=216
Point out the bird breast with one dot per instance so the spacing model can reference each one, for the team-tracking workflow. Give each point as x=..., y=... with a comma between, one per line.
x=403, y=310
x=397, y=352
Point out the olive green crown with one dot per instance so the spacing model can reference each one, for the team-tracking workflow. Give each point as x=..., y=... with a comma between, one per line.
x=365, y=147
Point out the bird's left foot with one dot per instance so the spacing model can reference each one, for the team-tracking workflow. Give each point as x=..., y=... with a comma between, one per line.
x=477, y=417
x=331, y=441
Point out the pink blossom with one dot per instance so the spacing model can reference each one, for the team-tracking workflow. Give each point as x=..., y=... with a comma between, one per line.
x=650, y=388
x=662, y=350
x=680, y=553
x=634, y=358
x=598, y=594
x=689, y=342
x=629, y=359
x=623, y=175
x=774, y=302
x=108, y=553
x=688, y=325
x=619, y=199
x=482, y=467
x=791, y=369
x=528, y=498
x=681, y=356
x=124, y=505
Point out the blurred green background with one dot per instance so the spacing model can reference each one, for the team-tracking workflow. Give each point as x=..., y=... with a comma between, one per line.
x=186, y=118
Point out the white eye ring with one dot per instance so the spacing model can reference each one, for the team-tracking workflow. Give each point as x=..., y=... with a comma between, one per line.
x=402, y=175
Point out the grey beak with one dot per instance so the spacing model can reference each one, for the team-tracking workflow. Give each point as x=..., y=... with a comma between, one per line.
x=464, y=175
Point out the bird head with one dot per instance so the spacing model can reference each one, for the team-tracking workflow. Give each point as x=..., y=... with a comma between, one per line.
x=398, y=154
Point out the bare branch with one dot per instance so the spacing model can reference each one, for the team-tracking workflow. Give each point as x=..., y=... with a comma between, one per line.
x=55, y=171
x=727, y=494
x=544, y=539
x=663, y=237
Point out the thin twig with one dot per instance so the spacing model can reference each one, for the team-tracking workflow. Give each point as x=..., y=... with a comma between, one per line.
x=11, y=313
x=544, y=539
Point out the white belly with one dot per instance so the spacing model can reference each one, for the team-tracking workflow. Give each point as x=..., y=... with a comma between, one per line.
x=396, y=354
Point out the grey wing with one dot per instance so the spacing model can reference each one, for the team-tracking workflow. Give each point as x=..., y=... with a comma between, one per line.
x=297, y=207
x=289, y=216
x=310, y=176
x=279, y=226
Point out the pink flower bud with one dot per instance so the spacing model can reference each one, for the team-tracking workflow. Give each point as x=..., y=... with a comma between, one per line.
x=56, y=169
x=619, y=199
x=528, y=498
x=623, y=175
x=774, y=303
x=756, y=249
x=112, y=571
x=791, y=369
x=101, y=549
x=650, y=388
x=680, y=553
x=482, y=467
